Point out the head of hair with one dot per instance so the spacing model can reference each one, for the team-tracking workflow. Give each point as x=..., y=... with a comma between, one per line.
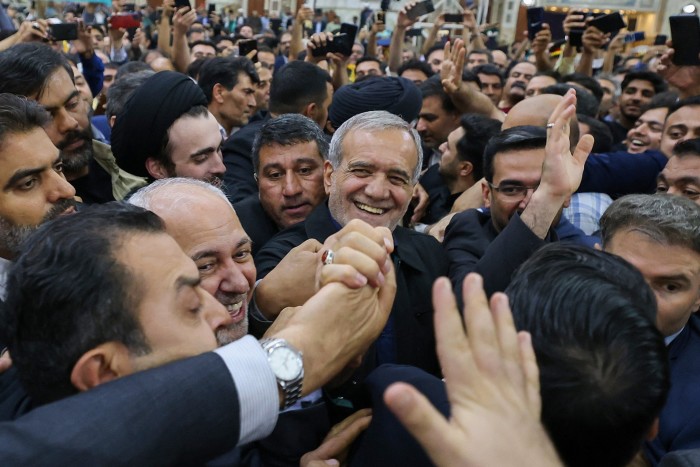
x=689, y=147
x=586, y=103
x=656, y=81
x=368, y=58
x=120, y=92
x=610, y=78
x=433, y=87
x=604, y=372
x=489, y=70
x=129, y=68
x=518, y=138
x=373, y=121
x=203, y=42
x=296, y=85
x=194, y=67
x=26, y=68
x=19, y=115
x=481, y=52
x=551, y=73
x=692, y=101
x=600, y=132
x=469, y=76
x=433, y=49
x=63, y=302
x=288, y=130
x=416, y=65
x=665, y=219
x=144, y=196
x=111, y=66
x=224, y=71
x=478, y=130
x=587, y=82
x=664, y=99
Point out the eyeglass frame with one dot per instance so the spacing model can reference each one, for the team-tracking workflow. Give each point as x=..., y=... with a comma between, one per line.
x=522, y=189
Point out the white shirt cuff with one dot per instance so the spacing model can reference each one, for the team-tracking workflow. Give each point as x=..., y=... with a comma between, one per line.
x=258, y=397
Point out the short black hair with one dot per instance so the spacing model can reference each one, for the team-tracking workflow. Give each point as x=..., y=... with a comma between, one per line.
x=478, y=130
x=63, y=302
x=586, y=103
x=194, y=67
x=600, y=131
x=587, y=82
x=224, y=71
x=486, y=52
x=288, y=130
x=416, y=65
x=368, y=58
x=296, y=85
x=656, y=80
x=517, y=138
x=204, y=42
x=489, y=70
x=129, y=68
x=20, y=115
x=26, y=68
x=468, y=76
x=688, y=101
x=604, y=372
x=165, y=150
x=433, y=49
x=433, y=87
x=122, y=89
x=689, y=147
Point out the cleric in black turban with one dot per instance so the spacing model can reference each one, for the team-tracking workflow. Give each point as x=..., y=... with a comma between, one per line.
x=139, y=131
x=398, y=96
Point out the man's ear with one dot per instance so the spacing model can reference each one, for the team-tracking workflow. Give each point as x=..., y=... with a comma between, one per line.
x=217, y=93
x=465, y=168
x=310, y=110
x=112, y=120
x=156, y=169
x=486, y=193
x=104, y=363
x=327, y=172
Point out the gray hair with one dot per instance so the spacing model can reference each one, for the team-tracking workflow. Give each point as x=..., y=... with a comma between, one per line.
x=144, y=197
x=373, y=121
x=611, y=78
x=667, y=219
x=122, y=89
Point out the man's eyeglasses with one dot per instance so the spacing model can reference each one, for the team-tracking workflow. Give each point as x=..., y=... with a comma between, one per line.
x=513, y=192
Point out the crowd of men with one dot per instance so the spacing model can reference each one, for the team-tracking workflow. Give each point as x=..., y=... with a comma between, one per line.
x=215, y=257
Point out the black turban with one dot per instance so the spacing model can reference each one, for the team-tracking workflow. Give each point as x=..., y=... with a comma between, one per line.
x=150, y=111
x=398, y=96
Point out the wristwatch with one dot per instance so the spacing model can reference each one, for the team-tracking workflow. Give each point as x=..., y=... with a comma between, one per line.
x=287, y=365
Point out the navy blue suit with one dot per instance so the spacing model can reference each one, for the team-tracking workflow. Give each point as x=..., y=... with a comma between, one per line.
x=679, y=423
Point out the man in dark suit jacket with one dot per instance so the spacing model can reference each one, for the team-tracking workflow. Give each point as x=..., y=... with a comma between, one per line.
x=373, y=165
x=660, y=236
x=111, y=318
x=530, y=175
x=288, y=155
x=298, y=87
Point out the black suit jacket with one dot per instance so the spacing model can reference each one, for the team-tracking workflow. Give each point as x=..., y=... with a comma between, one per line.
x=441, y=200
x=239, y=181
x=257, y=224
x=474, y=245
x=183, y=413
x=420, y=260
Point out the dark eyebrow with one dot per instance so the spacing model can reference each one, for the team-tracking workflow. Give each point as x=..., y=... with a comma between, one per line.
x=202, y=151
x=185, y=281
x=20, y=174
x=71, y=96
x=688, y=179
x=674, y=277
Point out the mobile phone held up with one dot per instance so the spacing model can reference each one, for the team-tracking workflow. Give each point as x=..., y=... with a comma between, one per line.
x=125, y=21
x=454, y=17
x=609, y=23
x=341, y=43
x=685, y=34
x=63, y=31
x=420, y=9
x=535, y=19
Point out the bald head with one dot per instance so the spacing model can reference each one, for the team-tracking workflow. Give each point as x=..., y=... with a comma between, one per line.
x=536, y=111
x=202, y=221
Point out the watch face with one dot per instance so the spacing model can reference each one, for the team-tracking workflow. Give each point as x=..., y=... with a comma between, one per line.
x=285, y=363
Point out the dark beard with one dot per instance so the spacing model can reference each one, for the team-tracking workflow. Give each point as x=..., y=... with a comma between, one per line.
x=13, y=236
x=74, y=162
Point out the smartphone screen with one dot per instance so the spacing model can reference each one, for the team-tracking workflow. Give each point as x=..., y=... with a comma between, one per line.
x=453, y=17
x=535, y=18
x=609, y=23
x=685, y=34
x=420, y=9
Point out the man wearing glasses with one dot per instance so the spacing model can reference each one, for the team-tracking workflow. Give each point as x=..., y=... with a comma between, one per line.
x=530, y=174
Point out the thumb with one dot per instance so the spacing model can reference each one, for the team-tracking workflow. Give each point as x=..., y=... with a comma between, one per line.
x=583, y=149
